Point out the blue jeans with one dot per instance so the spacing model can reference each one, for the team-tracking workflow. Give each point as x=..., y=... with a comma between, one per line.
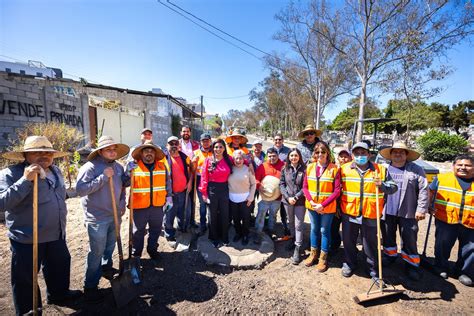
x=263, y=207
x=178, y=211
x=101, y=247
x=202, y=209
x=153, y=216
x=320, y=223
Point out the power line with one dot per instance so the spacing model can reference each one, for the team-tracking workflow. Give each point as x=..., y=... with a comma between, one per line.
x=222, y=98
x=207, y=30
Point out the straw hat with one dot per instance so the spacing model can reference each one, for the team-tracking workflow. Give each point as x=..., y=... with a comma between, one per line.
x=411, y=154
x=34, y=144
x=270, y=188
x=137, y=152
x=310, y=128
x=236, y=132
x=106, y=141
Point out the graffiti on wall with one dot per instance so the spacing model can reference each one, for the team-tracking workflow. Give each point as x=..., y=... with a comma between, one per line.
x=69, y=91
x=9, y=107
x=105, y=103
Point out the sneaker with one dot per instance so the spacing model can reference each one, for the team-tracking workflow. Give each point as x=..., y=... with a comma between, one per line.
x=443, y=273
x=236, y=238
x=92, y=295
x=346, y=271
x=465, y=280
x=245, y=240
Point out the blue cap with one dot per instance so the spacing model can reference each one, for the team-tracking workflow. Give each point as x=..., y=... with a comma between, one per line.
x=205, y=136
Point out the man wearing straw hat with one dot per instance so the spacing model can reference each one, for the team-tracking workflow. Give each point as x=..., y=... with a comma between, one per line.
x=151, y=192
x=16, y=199
x=93, y=186
x=310, y=136
x=404, y=208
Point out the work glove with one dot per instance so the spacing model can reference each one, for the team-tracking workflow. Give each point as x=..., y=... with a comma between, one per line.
x=130, y=166
x=169, y=203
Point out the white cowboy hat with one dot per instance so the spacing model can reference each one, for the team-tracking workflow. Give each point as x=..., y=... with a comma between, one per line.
x=137, y=152
x=236, y=132
x=310, y=128
x=106, y=141
x=270, y=188
x=34, y=144
x=411, y=154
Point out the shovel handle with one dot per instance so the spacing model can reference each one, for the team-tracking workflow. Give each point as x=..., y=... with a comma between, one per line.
x=427, y=235
x=35, y=245
x=379, y=237
x=116, y=223
x=130, y=223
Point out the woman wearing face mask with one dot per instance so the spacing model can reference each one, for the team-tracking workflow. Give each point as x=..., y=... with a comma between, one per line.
x=241, y=194
x=215, y=192
x=291, y=188
x=358, y=205
x=321, y=187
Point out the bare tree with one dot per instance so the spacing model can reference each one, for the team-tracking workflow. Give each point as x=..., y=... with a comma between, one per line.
x=375, y=34
x=326, y=73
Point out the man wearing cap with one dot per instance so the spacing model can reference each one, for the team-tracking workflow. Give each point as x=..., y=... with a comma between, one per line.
x=258, y=156
x=453, y=197
x=93, y=186
x=200, y=156
x=151, y=191
x=404, y=208
x=310, y=136
x=267, y=179
x=358, y=204
x=16, y=199
x=181, y=176
x=343, y=157
x=236, y=140
x=146, y=134
x=281, y=149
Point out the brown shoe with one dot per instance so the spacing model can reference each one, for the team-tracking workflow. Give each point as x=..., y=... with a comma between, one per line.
x=312, y=258
x=323, y=262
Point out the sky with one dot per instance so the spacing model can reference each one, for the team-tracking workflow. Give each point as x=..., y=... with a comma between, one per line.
x=141, y=45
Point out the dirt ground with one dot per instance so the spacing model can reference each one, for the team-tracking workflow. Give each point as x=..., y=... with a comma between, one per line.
x=181, y=283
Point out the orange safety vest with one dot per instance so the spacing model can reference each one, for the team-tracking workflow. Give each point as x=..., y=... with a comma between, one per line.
x=142, y=185
x=202, y=157
x=449, y=202
x=321, y=188
x=230, y=150
x=351, y=191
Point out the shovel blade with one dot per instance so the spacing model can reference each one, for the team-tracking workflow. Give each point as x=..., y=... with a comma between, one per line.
x=124, y=289
x=365, y=297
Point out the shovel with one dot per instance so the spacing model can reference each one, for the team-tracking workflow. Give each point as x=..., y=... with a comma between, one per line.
x=424, y=261
x=123, y=287
x=133, y=262
x=382, y=291
x=35, y=245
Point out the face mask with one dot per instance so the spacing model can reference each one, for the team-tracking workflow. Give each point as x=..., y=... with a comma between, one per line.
x=361, y=160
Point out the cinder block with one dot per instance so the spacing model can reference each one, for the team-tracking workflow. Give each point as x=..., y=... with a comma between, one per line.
x=34, y=96
x=4, y=90
x=7, y=83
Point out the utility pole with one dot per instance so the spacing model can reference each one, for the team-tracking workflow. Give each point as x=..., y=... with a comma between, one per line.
x=202, y=118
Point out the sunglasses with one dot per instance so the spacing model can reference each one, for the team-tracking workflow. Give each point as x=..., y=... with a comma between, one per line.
x=278, y=139
x=309, y=133
x=174, y=143
x=320, y=152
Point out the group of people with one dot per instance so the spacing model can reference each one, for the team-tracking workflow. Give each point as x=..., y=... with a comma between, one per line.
x=345, y=188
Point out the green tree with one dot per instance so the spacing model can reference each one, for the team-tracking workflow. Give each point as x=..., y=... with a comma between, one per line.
x=344, y=121
x=439, y=146
x=461, y=115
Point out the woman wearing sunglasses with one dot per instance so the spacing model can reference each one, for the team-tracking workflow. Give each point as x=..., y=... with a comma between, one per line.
x=321, y=187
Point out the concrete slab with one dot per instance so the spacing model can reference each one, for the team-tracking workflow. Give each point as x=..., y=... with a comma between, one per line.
x=236, y=255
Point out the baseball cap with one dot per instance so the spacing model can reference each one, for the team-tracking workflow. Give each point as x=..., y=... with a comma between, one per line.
x=171, y=138
x=205, y=136
x=146, y=129
x=257, y=141
x=360, y=145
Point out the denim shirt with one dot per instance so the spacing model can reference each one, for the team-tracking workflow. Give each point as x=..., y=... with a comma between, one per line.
x=16, y=199
x=93, y=187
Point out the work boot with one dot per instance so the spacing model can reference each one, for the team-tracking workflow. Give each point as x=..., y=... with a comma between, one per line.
x=313, y=257
x=465, y=280
x=322, y=264
x=346, y=271
x=296, y=258
x=413, y=273
x=92, y=295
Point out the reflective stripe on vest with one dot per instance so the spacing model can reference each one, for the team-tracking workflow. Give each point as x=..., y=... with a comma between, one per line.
x=352, y=191
x=202, y=157
x=452, y=204
x=321, y=188
x=142, y=185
